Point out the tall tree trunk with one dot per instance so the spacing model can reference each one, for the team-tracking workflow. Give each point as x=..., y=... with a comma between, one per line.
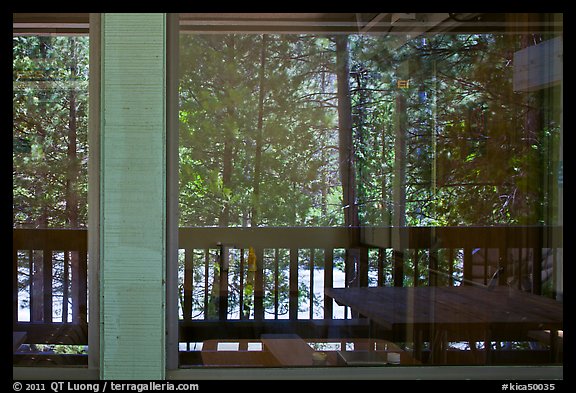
x=399, y=212
x=399, y=190
x=259, y=135
x=346, y=158
x=345, y=145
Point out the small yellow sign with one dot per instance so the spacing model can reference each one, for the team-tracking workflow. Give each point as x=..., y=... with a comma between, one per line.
x=403, y=84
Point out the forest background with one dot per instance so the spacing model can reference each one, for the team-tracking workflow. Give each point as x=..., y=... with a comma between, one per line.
x=310, y=130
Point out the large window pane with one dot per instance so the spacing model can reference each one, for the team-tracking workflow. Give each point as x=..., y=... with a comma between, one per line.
x=351, y=188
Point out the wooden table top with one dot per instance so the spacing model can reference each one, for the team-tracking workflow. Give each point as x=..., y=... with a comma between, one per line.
x=392, y=307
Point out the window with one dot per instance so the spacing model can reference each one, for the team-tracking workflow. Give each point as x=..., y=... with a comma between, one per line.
x=370, y=189
x=50, y=156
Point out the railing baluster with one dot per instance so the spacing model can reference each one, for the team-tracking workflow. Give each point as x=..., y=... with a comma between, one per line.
x=188, y=283
x=381, y=264
x=328, y=281
x=47, y=284
x=224, y=262
x=311, y=308
x=82, y=285
x=293, y=285
x=259, y=285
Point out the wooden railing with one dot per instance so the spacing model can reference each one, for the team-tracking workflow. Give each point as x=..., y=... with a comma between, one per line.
x=51, y=266
x=525, y=257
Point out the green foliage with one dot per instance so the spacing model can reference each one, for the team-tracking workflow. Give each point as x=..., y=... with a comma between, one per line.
x=220, y=86
x=50, y=149
x=465, y=131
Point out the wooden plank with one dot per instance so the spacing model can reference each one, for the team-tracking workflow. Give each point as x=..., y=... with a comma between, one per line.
x=54, y=333
x=53, y=238
x=461, y=237
x=264, y=238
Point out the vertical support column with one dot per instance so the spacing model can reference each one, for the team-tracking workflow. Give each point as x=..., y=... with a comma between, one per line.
x=132, y=196
x=172, y=213
x=94, y=192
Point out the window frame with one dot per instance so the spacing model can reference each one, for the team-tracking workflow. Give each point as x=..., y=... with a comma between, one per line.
x=79, y=24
